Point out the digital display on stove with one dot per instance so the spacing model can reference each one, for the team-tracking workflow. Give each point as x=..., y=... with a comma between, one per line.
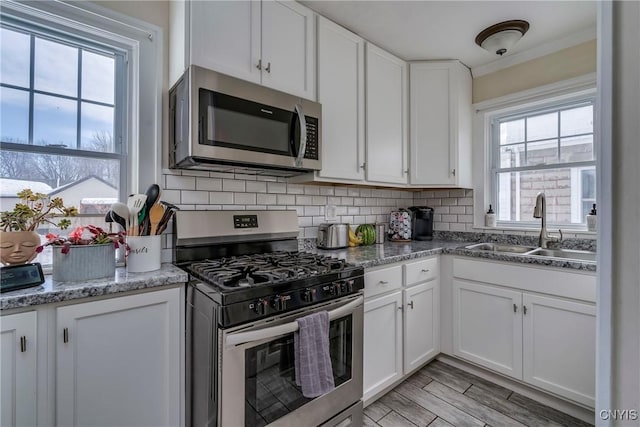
x=245, y=221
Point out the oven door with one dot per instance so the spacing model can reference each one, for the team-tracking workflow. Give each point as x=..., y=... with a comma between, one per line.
x=257, y=382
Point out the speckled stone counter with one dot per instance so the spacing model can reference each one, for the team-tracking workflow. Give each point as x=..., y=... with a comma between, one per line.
x=51, y=292
x=391, y=252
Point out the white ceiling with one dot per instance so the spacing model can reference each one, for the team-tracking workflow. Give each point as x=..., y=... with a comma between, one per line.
x=447, y=29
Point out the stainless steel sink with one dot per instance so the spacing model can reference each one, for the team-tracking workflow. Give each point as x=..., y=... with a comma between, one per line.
x=565, y=254
x=499, y=247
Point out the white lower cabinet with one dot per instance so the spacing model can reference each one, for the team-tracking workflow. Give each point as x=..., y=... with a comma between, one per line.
x=546, y=341
x=18, y=368
x=487, y=327
x=401, y=322
x=382, y=343
x=421, y=324
x=559, y=346
x=118, y=361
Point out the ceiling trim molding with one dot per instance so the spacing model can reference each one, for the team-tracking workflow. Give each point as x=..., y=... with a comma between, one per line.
x=535, y=52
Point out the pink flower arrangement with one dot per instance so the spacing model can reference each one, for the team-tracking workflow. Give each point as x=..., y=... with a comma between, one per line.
x=85, y=235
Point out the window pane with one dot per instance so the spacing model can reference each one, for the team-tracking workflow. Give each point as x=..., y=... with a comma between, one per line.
x=588, y=177
x=576, y=121
x=97, y=128
x=14, y=114
x=56, y=68
x=518, y=191
x=54, y=121
x=98, y=77
x=542, y=127
x=14, y=51
x=512, y=156
x=542, y=152
x=512, y=131
x=576, y=149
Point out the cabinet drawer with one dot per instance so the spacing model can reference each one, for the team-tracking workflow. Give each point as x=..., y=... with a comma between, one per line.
x=421, y=271
x=383, y=280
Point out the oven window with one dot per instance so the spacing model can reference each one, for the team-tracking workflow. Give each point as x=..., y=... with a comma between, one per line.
x=270, y=385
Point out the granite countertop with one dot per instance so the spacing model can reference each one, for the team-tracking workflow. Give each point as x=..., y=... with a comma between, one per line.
x=51, y=292
x=391, y=252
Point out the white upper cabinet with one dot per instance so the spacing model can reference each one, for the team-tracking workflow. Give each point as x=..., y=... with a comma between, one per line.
x=341, y=93
x=440, y=146
x=386, y=117
x=269, y=42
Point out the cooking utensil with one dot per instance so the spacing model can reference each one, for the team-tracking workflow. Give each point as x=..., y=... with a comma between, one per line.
x=153, y=197
x=120, y=214
x=109, y=220
x=155, y=216
x=168, y=214
x=135, y=202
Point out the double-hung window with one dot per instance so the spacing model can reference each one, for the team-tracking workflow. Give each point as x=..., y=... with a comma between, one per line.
x=548, y=149
x=62, y=116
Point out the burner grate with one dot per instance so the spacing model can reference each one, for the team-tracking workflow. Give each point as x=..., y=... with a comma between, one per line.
x=267, y=268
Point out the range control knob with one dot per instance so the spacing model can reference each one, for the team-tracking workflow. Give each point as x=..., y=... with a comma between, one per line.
x=280, y=302
x=336, y=289
x=349, y=286
x=309, y=295
x=260, y=306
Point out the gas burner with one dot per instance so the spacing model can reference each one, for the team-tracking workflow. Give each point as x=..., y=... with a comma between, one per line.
x=267, y=268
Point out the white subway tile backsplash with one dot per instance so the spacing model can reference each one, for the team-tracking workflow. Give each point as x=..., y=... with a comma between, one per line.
x=266, y=199
x=208, y=184
x=179, y=182
x=245, y=199
x=276, y=187
x=286, y=199
x=222, y=190
x=256, y=186
x=312, y=190
x=295, y=189
x=195, y=197
x=312, y=210
x=233, y=185
x=220, y=198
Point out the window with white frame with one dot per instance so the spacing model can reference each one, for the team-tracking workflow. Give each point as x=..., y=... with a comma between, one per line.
x=548, y=149
x=80, y=101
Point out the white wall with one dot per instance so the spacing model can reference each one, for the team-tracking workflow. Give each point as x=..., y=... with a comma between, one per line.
x=625, y=393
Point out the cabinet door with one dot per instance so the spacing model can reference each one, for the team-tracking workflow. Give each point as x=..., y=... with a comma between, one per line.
x=421, y=324
x=225, y=37
x=440, y=145
x=288, y=54
x=382, y=344
x=118, y=361
x=560, y=347
x=386, y=115
x=18, y=367
x=487, y=326
x=341, y=93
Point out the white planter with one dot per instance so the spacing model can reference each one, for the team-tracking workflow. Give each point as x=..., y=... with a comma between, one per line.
x=84, y=262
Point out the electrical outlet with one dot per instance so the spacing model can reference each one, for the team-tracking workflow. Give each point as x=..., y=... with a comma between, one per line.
x=330, y=213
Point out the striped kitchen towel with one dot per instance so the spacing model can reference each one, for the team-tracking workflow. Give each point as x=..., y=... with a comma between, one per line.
x=314, y=373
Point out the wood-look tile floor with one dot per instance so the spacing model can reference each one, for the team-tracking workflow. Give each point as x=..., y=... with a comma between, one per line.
x=440, y=395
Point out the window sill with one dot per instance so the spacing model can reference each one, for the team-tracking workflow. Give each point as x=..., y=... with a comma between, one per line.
x=554, y=229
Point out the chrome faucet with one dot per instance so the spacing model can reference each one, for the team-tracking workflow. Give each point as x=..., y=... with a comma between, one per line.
x=540, y=211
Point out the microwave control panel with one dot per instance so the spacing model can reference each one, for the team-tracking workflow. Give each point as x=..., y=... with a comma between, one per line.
x=312, y=138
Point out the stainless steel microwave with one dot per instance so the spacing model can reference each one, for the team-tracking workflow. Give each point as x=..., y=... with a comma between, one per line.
x=218, y=122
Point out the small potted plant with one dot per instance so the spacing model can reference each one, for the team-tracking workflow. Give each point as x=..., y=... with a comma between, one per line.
x=18, y=238
x=87, y=253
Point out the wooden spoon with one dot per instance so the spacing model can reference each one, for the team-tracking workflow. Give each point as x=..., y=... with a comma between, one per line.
x=155, y=216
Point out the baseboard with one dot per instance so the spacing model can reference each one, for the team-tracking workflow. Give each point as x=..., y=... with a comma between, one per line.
x=575, y=410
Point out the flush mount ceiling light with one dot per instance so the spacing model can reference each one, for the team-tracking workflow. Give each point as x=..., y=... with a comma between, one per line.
x=500, y=37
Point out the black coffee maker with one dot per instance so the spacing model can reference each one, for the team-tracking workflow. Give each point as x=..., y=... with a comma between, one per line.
x=421, y=222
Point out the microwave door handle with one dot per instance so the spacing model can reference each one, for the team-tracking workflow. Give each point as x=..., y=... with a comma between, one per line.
x=303, y=135
x=287, y=328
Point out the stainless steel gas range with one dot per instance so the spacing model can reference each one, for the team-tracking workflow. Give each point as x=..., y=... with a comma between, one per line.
x=248, y=286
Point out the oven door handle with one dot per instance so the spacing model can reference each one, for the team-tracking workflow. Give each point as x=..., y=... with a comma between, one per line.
x=287, y=328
